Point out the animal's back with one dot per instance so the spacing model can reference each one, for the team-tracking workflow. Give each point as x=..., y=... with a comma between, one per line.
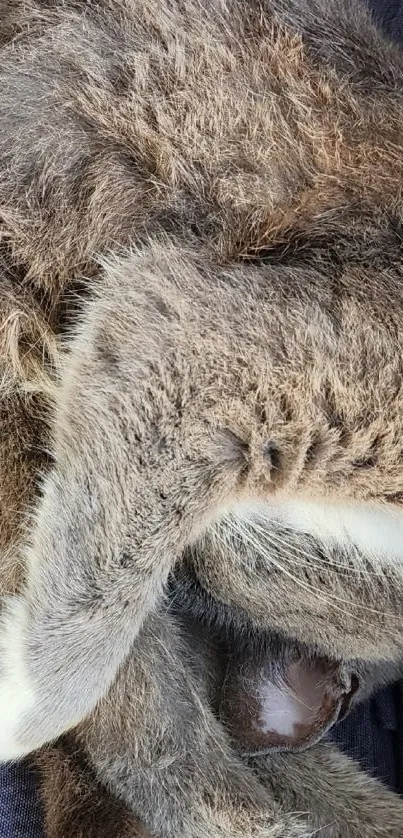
x=121, y=119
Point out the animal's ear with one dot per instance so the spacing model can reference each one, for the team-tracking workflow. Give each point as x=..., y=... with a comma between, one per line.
x=281, y=706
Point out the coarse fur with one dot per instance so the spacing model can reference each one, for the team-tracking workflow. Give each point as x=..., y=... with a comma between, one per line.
x=201, y=324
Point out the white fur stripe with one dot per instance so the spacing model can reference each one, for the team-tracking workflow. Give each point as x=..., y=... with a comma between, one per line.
x=376, y=531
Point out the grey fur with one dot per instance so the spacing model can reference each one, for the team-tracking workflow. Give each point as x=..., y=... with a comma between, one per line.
x=220, y=186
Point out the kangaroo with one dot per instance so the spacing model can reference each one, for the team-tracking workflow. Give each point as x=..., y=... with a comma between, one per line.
x=200, y=219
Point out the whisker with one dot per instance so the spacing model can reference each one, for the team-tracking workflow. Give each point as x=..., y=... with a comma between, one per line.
x=245, y=530
x=352, y=566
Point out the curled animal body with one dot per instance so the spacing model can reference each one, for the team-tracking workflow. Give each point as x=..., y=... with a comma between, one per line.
x=201, y=458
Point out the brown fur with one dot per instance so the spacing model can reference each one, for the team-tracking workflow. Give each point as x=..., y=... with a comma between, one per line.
x=75, y=805
x=252, y=160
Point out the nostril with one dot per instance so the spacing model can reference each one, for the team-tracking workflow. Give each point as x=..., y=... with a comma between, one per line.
x=271, y=453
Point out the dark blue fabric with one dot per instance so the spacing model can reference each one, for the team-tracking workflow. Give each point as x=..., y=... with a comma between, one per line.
x=20, y=811
x=389, y=15
x=373, y=733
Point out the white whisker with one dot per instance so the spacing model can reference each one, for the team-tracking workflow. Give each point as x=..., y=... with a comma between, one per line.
x=259, y=538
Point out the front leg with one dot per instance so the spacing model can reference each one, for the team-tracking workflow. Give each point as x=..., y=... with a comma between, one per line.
x=133, y=481
x=155, y=743
x=339, y=799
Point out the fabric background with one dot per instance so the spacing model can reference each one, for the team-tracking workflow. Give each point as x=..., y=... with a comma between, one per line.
x=372, y=734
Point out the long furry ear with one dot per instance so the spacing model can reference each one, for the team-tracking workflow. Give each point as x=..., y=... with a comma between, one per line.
x=284, y=704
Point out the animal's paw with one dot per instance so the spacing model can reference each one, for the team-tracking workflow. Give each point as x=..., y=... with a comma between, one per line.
x=17, y=695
